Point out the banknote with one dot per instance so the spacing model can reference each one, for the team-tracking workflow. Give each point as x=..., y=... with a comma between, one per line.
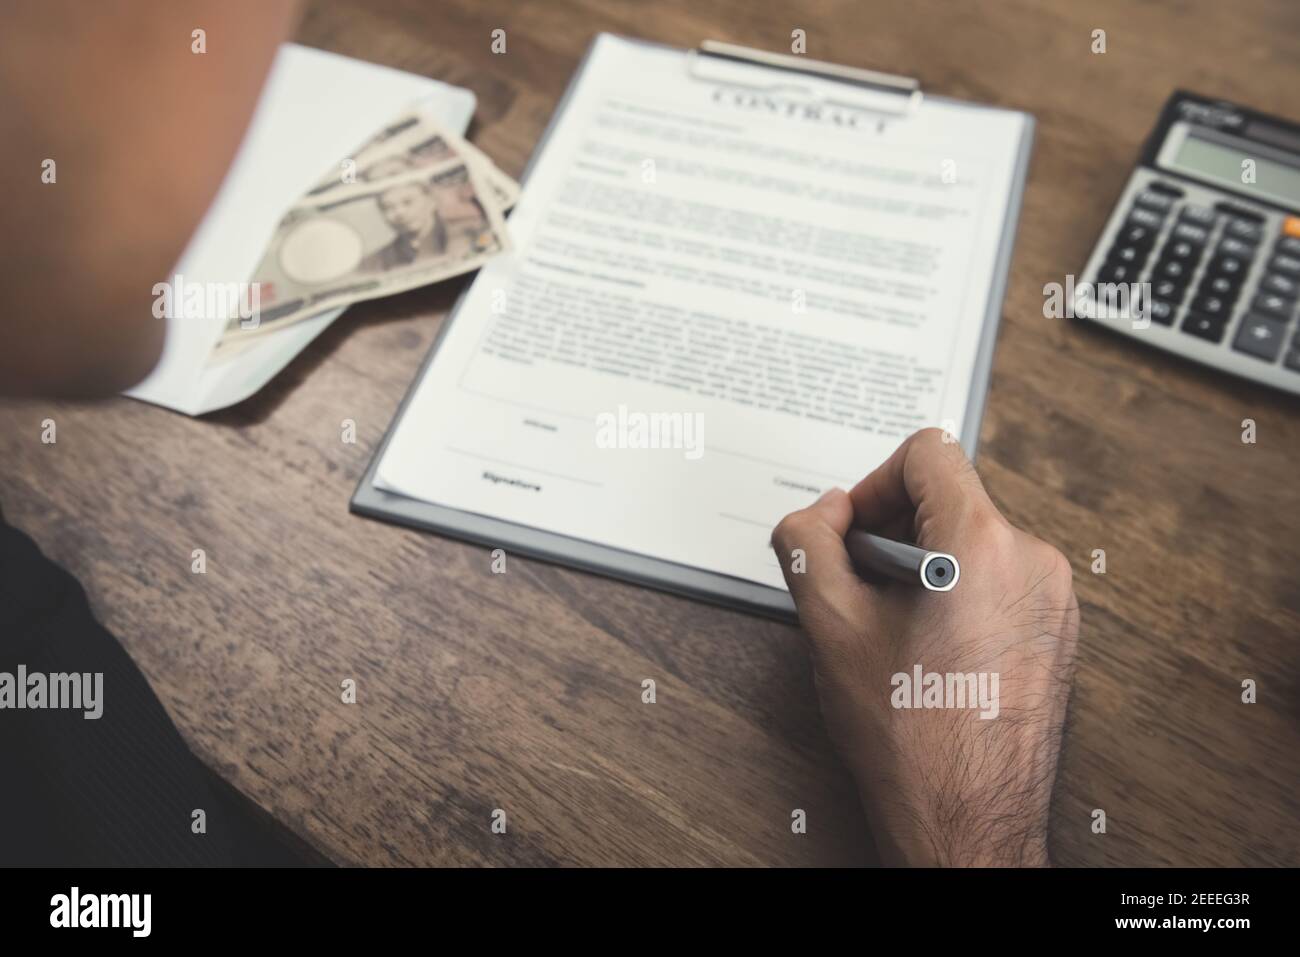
x=416, y=140
x=374, y=238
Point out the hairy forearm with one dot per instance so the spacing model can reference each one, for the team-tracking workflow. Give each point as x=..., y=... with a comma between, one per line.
x=950, y=789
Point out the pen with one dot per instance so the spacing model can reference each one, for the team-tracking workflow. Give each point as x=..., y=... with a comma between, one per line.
x=937, y=571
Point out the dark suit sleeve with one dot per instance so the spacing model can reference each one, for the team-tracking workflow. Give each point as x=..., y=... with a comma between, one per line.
x=118, y=790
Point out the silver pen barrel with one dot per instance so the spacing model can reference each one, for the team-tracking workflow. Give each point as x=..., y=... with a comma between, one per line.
x=874, y=554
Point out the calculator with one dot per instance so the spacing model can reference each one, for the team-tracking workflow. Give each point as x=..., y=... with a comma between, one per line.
x=1208, y=226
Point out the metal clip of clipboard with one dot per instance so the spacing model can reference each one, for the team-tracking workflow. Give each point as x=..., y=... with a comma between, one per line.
x=896, y=96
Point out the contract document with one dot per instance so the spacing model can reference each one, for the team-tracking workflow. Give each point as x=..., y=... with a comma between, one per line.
x=734, y=286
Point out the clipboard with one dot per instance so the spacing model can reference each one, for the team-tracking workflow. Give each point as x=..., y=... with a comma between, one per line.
x=896, y=97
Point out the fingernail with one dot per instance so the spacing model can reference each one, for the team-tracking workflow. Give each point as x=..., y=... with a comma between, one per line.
x=827, y=494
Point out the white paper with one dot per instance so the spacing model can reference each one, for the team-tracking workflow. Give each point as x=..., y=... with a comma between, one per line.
x=315, y=108
x=802, y=283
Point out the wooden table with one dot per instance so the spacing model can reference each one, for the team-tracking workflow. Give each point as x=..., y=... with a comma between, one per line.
x=522, y=691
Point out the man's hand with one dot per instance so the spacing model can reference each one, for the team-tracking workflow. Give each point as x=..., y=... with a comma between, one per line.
x=941, y=785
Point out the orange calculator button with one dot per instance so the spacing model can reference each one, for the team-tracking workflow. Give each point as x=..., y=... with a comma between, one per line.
x=1291, y=227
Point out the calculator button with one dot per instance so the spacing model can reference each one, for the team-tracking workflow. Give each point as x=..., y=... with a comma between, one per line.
x=1182, y=249
x=1291, y=226
x=1224, y=286
x=1191, y=233
x=1213, y=307
x=1235, y=247
x=1173, y=269
x=1117, y=272
x=1132, y=235
x=1227, y=266
x=1198, y=216
x=1260, y=336
x=1152, y=200
x=1204, y=327
x=1168, y=289
x=1289, y=245
x=1163, y=311
x=1244, y=230
x=1293, y=358
x=1145, y=217
x=1280, y=285
x=1127, y=254
x=1287, y=264
x=1272, y=305
x=1240, y=212
x=1160, y=186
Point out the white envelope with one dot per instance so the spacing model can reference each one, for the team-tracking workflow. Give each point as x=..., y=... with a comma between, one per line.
x=315, y=109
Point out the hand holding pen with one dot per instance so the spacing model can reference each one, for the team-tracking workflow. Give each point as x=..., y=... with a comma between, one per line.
x=930, y=797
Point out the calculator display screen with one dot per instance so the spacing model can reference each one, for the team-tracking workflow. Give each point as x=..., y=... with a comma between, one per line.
x=1216, y=161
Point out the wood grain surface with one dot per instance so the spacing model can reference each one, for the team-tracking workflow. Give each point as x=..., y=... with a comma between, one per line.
x=523, y=691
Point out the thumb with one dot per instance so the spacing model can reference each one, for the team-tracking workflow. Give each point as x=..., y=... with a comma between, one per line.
x=809, y=545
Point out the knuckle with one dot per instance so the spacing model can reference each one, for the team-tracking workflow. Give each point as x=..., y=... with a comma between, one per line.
x=991, y=530
x=1058, y=574
x=1061, y=571
x=790, y=531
